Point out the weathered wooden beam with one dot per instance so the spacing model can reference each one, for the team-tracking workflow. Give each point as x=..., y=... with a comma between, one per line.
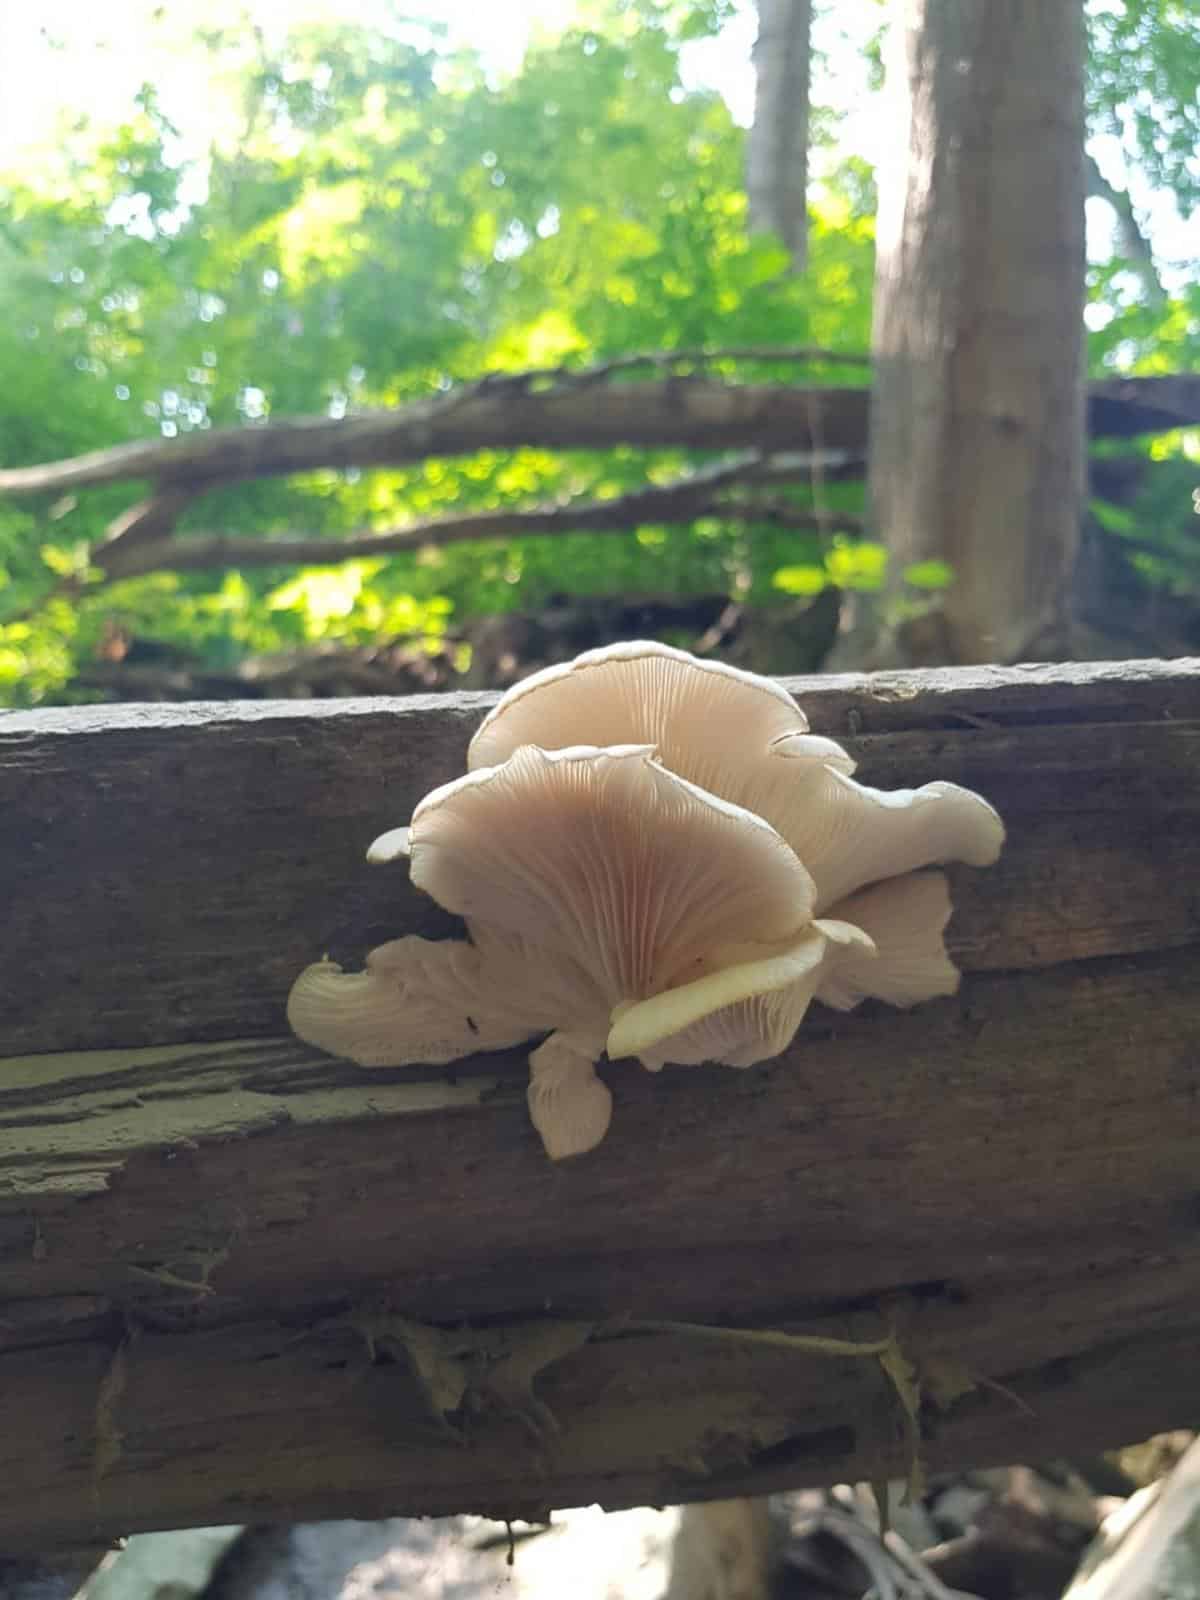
x=201, y=1222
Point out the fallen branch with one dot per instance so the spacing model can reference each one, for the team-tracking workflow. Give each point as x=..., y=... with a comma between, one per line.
x=220, y=550
x=585, y=411
x=139, y=540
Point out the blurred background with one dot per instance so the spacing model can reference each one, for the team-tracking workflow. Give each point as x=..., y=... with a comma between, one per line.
x=263, y=211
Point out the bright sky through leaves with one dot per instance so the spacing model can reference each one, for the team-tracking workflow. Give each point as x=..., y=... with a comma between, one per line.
x=70, y=56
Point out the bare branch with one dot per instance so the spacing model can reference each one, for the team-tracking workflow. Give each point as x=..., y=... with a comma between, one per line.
x=697, y=356
x=1131, y=241
x=694, y=413
x=699, y=494
x=581, y=411
x=148, y=520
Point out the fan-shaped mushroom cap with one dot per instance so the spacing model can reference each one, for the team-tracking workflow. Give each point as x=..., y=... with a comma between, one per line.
x=905, y=919
x=848, y=834
x=703, y=717
x=742, y=737
x=417, y=1001
x=635, y=875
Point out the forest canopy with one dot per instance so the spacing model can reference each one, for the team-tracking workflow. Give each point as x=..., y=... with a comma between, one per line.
x=373, y=218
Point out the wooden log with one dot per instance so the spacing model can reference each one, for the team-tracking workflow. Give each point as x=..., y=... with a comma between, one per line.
x=206, y=1228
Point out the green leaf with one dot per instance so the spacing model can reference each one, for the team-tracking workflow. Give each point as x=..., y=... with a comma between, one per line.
x=807, y=580
x=929, y=575
x=856, y=564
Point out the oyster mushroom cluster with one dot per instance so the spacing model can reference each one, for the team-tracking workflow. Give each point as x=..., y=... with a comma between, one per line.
x=654, y=858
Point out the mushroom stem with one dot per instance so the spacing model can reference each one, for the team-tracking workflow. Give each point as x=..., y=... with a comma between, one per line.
x=568, y=1104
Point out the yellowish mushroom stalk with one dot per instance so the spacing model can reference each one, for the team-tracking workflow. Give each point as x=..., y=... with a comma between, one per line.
x=679, y=889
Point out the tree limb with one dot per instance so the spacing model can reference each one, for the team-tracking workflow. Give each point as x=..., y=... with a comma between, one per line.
x=551, y=407
x=689, y=498
x=1131, y=241
x=577, y=413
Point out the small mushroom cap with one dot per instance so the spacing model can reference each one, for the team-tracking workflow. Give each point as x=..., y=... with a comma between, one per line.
x=633, y=874
x=390, y=846
x=753, y=1009
x=849, y=835
x=418, y=1000
x=638, y=1027
x=905, y=919
x=569, y=1105
x=702, y=717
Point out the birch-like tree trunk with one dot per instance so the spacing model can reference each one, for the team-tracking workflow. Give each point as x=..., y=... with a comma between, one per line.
x=777, y=149
x=978, y=405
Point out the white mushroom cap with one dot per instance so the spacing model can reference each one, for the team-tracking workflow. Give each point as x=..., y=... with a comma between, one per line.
x=703, y=717
x=674, y=1013
x=390, y=846
x=417, y=1001
x=742, y=737
x=631, y=873
x=848, y=834
x=905, y=919
x=743, y=1014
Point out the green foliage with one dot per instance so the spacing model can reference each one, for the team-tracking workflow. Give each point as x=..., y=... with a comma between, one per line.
x=372, y=219
x=1143, y=88
x=931, y=575
x=858, y=564
x=384, y=220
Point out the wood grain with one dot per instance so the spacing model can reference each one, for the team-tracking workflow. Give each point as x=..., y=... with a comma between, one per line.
x=167, y=870
x=194, y=1211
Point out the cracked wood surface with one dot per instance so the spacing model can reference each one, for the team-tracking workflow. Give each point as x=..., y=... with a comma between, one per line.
x=194, y=1210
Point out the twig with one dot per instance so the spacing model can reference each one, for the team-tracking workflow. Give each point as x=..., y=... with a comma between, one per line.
x=667, y=360
x=927, y=1580
x=148, y=520
x=688, y=498
x=813, y=1344
x=1131, y=241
